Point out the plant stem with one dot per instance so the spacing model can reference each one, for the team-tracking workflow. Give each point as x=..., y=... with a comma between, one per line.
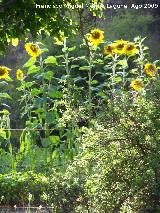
x=141, y=57
x=114, y=73
x=67, y=71
x=89, y=86
x=44, y=96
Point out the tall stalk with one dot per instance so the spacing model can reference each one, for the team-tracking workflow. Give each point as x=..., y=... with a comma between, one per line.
x=141, y=57
x=114, y=73
x=67, y=71
x=46, y=127
x=90, y=85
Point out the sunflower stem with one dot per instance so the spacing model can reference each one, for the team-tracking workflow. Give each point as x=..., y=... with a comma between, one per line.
x=67, y=71
x=90, y=85
x=46, y=127
x=114, y=73
x=124, y=74
x=141, y=57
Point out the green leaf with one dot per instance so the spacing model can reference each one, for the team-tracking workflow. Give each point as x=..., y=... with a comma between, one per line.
x=5, y=95
x=84, y=68
x=3, y=83
x=22, y=146
x=48, y=75
x=30, y=62
x=51, y=140
x=50, y=60
x=36, y=91
x=44, y=50
x=50, y=117
x=94, y=82
x=9, y=79
x=10, y=149
x=118, y=79
x=55, y=154
x=123, y=63
x=74, y=66
x=5, y=112
x=2, y=134
x=33, y=69
x=99, y=61
x=71, y=49
x=133, y=71
x=54, y=94
x=145, y=48
x=55, y=140
x=81, y=58
x=29, y=84
x=46, y=142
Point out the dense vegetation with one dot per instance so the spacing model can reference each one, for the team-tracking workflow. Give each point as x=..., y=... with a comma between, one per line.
x=79, y=119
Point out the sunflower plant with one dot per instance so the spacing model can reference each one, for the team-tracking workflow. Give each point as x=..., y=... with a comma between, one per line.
x=64, y=92
x=48, y=102
x=5, y=129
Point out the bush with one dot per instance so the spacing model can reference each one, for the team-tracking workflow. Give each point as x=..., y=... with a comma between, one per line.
x=19, y=188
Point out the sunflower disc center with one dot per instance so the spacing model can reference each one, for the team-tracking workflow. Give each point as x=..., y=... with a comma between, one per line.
x=34, y=48
x=130, y=47
x=120, y=46
x=96, y=35
x=2, y=72
x=151, y=68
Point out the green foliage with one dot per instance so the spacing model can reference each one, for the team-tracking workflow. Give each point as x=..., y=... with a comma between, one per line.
x=89, y=128
x=128, y=25
x=43, y=18
x=16, y=188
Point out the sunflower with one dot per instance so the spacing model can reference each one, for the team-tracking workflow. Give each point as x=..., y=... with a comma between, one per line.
x=119, y=46
x=137, y=84
x=150, y=69
x=96, y=37
x=4, y=72
x=19, y=74
x=130, y=49
x=32, y=49
x=108, y=49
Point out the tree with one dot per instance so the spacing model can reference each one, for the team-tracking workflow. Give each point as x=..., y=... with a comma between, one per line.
x=18, y=17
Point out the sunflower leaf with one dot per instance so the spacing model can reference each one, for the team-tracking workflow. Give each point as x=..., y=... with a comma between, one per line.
x=55, y=140
x=30, y=62
x=48, y=75
x=50, y=60
x=33, y=69
x=36, y=92
x=3, y=134
x=84, y=68
x=54, y=94
x=5, y=95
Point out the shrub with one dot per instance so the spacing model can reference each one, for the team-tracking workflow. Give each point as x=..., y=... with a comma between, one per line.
x=16, y=188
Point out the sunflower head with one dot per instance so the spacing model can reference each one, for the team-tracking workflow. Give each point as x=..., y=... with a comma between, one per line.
x=32, y=49
x=130, y=49
x=137, y=84
x=119, y=46
x=19, y=74
x=4, y=72
x=150, y=69
x=96, y=37
x=108, y=49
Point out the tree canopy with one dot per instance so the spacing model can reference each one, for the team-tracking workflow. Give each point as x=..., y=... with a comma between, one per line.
x=18, y=17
